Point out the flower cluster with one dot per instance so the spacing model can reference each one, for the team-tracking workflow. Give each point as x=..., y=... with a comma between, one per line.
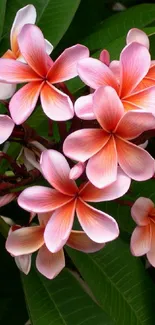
x=104, y=144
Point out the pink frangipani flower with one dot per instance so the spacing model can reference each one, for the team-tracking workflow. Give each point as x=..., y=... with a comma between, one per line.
x=66, y=199
x=42, y=74
x=6, y=127
x=110, y=144
x=143, y=237
x=26, y=15
x=137, y=35
x=22, y=242
x=133, y=66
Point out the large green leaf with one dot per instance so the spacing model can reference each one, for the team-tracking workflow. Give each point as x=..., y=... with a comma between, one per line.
x=2, y=14
x=119, y=282
x=54, y=16
x=119, y=24
x=61, y=301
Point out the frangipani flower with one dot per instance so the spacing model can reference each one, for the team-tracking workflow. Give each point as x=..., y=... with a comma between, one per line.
x=110, y=144
x=66, y=199
x=42, y=74
x=6, y=127
x=134, y=64
x=137, y=35
x=26, y=15
x=143, y=237
x=22, y=242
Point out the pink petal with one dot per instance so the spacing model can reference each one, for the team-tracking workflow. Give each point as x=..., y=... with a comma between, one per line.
x=59, y=227
x=24, y=263
x=56, y=170
x=26, y=15
x=113, y=191
x=99, y=226
x=140, y=211
x=32, y=47
x=144, y=99
x=151, y=253
x=41, y=199
x=151, y=72
x=7, y=198
x=84, y=107
x=134, y=123
x=105, y=57
x=80, y=241
x=49, y=47
x=24, y=101
x=49, y=264
x=145, y=83
x=77, y=170
x=13, y=71
x=135, y=161
x=135, y=63
x=83, y=144
x=25, y=240
x=137, y=35
x=65, y=67
x=44, y=218
x=9, y=55
x=101, y=169
x=56, y=105
x=115, y=68
x=141, y=240
x=94, y=73
x=107, y=108
x=6, y=127
x=6, y=90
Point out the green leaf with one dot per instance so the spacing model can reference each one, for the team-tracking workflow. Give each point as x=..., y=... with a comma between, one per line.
x=61, y=301
x=54, y=16
x=119, y=24
x=13, y=151
x=2, y=14
x=119, y=282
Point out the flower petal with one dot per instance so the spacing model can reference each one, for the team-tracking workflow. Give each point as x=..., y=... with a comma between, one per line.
x=141, y=240
x=65, y=67
x=151, y=253
x=140, y=211
x=49, y=264
x=24, y=263
x=107, y=107
x=49, y=47
x=6, y=127
x=101, y=169
x=26, y=15
x=56, y=170
x=56, y=105
x=143, y=99
x=80, y=241
x=13, y=71
x=7, y=198
x=99, y=226
x=25, y=240
x=95, y=73
x=84, y=107
x=59, y=227
x=137, y=35
x=24, y=101
x=6, y=90
x=115, y=68
x=135, y=63
x=135, y=161
x=41, y=199
x=105, y=57
x=32, y=47
x=134, y=123
x=77, y=170
x=90, y=193
x=83, y=144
